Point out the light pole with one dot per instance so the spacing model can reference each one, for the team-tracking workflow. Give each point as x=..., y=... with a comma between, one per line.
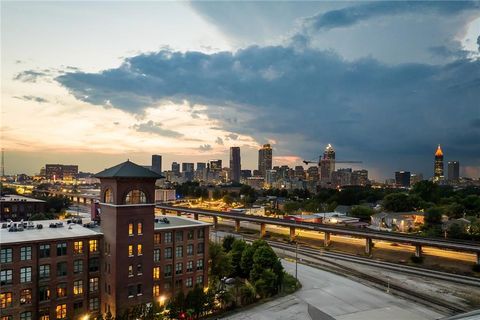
x=296, y=258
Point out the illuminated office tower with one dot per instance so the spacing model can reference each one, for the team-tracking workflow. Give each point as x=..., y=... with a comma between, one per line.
x=264, y=159
x=438, y=166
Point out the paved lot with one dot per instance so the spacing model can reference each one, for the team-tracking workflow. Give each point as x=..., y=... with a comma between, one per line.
x=326, y=296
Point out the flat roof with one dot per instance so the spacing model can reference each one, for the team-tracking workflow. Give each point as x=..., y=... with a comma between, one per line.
x=17, y=198
x=178, y=222
x=47, y=233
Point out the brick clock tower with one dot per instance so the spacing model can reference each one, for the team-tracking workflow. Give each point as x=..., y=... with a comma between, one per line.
x=127, y=204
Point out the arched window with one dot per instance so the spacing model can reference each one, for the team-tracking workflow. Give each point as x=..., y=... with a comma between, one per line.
x=135, y=197
x=108, y=196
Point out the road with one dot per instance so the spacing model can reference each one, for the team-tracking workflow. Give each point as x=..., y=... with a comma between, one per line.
x=326, y=296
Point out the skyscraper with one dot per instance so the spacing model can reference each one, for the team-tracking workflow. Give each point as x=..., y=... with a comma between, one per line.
x=264, y=159
x=216, y=165
x=157, y=163
x=235, y=164
x=176, y=168
x=327, y=164
x=453, y=171
x=438, y=166
x=402, y=179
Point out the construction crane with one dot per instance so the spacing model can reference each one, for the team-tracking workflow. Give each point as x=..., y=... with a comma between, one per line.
x=307, y=162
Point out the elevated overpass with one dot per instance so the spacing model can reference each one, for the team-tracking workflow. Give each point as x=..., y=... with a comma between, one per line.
x=328, y=230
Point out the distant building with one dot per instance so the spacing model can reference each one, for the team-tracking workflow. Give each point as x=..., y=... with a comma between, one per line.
x=201, y=172
x=360, y=177
x=255, y=182
x=264, y=159
x=164, y=195
x=402, y=179
x=453, y=171
x=270, y=178
x=157, y=163
x=245, y=174
x=397, y=221
x=176, y=168
x=188, y=170
x=61, y=172
x=235, y=164
x=415, y=178
x=327, y=164
x=215, y=166
x=438, y=165
x=342, y=177
x=299, y=172
x=312, y=173
x=17, y=207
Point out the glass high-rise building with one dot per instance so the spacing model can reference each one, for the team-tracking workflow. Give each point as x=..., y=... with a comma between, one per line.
x=235, y=164
x=157, y=163
x=402, y=179
x=453, y=170
x=438, y=165
x=265, y=159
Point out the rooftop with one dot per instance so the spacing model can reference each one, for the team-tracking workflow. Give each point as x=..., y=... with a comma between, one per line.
x=128, y=169
x=177, y=222
x=15, y=198
x=47, y=233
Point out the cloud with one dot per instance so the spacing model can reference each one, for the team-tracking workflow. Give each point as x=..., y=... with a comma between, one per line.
x=478, y=42
x=29, y=76
x=205, y=148
x=219, y=141
x=33, y=98
x=231, y=136
x=156, y=128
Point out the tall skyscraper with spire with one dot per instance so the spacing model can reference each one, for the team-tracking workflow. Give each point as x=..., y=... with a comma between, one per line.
x=327, y=164
x=265, y=159
x=438, y=166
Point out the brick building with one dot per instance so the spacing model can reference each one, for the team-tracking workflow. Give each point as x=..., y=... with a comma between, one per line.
x=132, y=258
x=17, y=207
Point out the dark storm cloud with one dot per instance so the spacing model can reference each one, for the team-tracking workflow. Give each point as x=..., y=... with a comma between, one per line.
x=156, y=128
x=33, y=98
x=352, y=15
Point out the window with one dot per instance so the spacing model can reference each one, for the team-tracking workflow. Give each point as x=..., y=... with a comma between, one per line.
x=139, y=228
x=6, y=255
x=108, y=198
x=167, y=286
x=27, y=315
x=93, y=264
x=189, y=282
x=139, y=269
x=44, y=271
x=130, y=229
x=61, y=249
x=131, y=291
x=179, y=268
x=77, y=307
x=157, y=238
x=179, y=236
x=44, y=251
x=62, y=269
x=6, y=317
x=156, y=273
x=168, y=237
x=61, y=311
x=25, y=253
x=93, y=246
x=61, y=290
x=93, y=304
x=25, y=274
x=190, y=250
x=130, y=250
x=189, y=266
x=130, y=271
x=26, y=296
x=78, y=266
x=199, y=264
x=139, y=249
x=44, y=314
x=168, y=253
x=135, y=197
x=6, y=277
x=44, y=293
x=179, y=251
x=201, y=234
x=139, y=289
x=199, y=280
x=178, y=283
x=156, y=290
x=78, y=287
x=190, y=235
x=78, y=247
x=200, y=248
x=5, y=300
x=156, y=255
x=168, y=270
x=93, y=287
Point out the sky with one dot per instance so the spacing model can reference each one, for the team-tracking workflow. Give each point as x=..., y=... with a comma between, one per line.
x=96, y=83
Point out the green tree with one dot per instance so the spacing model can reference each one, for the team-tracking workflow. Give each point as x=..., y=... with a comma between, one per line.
x=266, y=285
x=228, y=242
x=236, y=253
x=228, y=199
x=362, y=212
x=426, y=190
x=221, y=263
x=57, y=204
x=433, y=216
x=402, y=202
x=291, y=206
x=246, y=261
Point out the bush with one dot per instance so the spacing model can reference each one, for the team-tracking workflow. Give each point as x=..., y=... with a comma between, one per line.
x=289, y=284
x=416, y=259
x=476, y=267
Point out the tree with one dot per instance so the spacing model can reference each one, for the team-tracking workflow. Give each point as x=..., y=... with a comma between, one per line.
x=362, y=212
x=176, y=306
x=426, y=190
x=221, y=263
x=228, y=242
x=57, y=204
x=291, y=206
x=402, y=202
x=236, y=255
x=433, y=216
x=228, y=199
x=246, y=261
x=266, y=285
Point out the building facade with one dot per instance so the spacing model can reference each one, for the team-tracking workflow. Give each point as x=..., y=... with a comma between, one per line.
x=17, y=207
x=265, y=159
x=235, y=164
x=60, y=172
x=157, y=163
x=453, y=171
x=438, y=165
x=402, y=179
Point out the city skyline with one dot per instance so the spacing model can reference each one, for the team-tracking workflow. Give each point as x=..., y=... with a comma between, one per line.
x=358, y=83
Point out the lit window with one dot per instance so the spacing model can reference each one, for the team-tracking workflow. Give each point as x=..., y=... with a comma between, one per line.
x=44, y=314
x=26, y=296
x=156, y=273
x=130, y=271
x=93, y=287
x=157, y=238
x=130, y=250
x=93, y=246
x=6, y=255
x=135, y=197
x=25, y=274
x=78, y=247
x=61, y=290
x=108, y=196
x=78, y=287
x=139, y=249
x=139, y=228
x=130, y=229
x=156, y=290
x=61, y=311
x=5, y=300
x=26, y=253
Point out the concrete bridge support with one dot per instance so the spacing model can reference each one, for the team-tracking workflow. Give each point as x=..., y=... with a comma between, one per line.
x=215, y=222
x=84, y=200
x=326, y=239
x=368, y=246
x=263, y=230
x=292, y=233
x=418, y=250
x=237, y=225
x=195, y=216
